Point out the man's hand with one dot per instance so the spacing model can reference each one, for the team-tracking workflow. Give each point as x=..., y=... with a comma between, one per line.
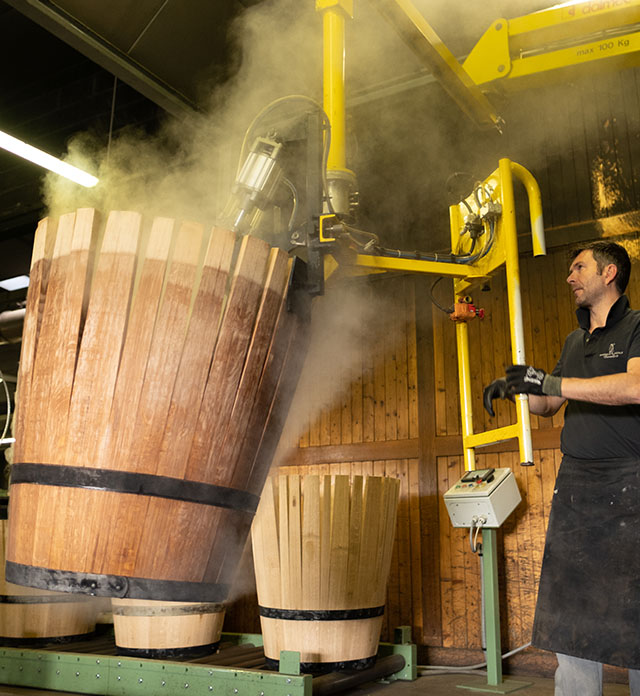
x=525, y=379
x=498, y=389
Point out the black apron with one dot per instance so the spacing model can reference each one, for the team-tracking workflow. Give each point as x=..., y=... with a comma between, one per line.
x=589, y=595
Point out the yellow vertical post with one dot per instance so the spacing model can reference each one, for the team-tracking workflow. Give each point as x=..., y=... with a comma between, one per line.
x=334, y=14
x=464, y=382
x=340, y=181
x=512, y=269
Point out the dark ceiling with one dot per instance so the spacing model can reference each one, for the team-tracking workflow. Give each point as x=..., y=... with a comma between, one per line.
x=51, y=91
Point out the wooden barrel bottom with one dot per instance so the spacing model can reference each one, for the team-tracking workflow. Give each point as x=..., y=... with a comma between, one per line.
x=166, y=630
x=37, y=619
x=324, y=644
x=120, y=586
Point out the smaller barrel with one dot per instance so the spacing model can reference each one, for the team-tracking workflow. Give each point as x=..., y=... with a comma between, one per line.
x=35, y=617
x=166, y=630
x=322, y=551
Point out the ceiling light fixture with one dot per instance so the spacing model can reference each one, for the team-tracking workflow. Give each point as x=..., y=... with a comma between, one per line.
x=16, y=283
x=28, y=152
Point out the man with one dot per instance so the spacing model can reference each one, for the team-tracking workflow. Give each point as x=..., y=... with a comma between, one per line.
x=588, y=608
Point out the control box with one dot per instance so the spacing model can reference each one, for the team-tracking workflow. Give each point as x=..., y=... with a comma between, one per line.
x=488, y=493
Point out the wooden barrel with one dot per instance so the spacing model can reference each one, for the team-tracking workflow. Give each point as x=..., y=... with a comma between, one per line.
x=35, y=617
x=322, y=551
x=158, y=360
x=166, y=630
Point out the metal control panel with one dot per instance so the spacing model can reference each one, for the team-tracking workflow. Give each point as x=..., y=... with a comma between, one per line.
x=489, y=495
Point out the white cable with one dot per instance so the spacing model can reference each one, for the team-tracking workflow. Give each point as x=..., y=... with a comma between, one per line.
x=6, y=392
x=476, y=523
x=463, y=668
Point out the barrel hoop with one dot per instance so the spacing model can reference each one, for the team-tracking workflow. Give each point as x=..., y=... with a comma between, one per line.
x=42, y=599
x=189, y=653
x=120, y=586
x=326, y=667
x=321, y=615
x=141, y=610
x=136, y=484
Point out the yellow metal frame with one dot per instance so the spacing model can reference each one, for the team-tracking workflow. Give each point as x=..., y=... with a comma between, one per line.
x=554, y=41
x=495, y=208
x=505, y=251
x=498, y=188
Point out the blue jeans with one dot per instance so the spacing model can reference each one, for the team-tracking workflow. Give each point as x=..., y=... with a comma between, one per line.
x=578, y=677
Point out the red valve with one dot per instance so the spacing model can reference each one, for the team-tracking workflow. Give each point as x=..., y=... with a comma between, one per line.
x=465, y=311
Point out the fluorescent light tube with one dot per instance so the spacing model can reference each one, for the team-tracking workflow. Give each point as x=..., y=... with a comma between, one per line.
x=28, y=152
x=15, y=283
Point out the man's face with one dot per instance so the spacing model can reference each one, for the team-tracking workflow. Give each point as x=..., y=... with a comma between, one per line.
x=587, y=284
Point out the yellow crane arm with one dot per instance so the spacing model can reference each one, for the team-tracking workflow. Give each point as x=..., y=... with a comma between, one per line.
x=549, y=44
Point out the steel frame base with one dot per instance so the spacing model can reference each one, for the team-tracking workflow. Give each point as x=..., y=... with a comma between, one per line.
x=124, y=676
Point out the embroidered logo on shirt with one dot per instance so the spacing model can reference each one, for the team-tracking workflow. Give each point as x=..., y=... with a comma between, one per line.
x=612, y=352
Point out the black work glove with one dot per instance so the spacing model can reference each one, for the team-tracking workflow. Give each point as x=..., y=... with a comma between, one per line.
x=525, y=379
x=498, y=389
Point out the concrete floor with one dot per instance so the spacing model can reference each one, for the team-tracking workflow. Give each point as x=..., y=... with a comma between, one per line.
x=449, y=685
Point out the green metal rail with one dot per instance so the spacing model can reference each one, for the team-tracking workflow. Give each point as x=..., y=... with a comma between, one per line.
x=126, y=676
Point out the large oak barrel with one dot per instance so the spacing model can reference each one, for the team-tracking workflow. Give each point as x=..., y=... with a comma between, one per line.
x=322, y=551
x=158, y=361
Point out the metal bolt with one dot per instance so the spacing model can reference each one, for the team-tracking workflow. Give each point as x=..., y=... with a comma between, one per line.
x=57, y=671
x=163, y=683
x=77, y=673
x=21, y=668
x=288, y=682
x=501, y=68
x=97, y=676
x=499, y=26
x=119, y=678
x=140, y=680
x=97, y=662
x=186, y=686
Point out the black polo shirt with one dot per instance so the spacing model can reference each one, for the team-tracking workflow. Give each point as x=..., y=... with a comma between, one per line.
x=595, y=431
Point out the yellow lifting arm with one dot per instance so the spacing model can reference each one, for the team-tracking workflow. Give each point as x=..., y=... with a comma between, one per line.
x=549, y=44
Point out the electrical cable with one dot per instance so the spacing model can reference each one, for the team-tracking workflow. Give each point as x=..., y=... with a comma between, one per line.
x=433, y=299
x=476, y=523
x=430, y=669
x=294, y=196
x=8, y=396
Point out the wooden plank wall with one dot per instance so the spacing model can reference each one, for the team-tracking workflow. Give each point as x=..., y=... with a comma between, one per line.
x=358, y=410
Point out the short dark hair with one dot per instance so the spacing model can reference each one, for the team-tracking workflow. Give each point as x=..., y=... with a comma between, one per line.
x=605, y=253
